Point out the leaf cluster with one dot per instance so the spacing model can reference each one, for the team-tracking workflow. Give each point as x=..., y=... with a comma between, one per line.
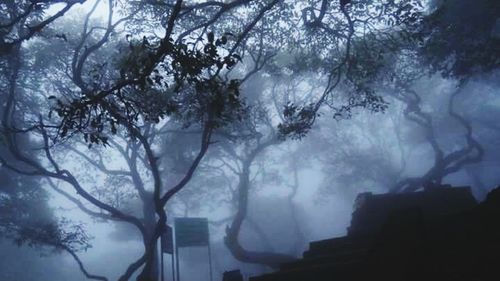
x=184, y=85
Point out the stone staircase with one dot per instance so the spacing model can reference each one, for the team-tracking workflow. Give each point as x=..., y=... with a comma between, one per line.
x=332, y=257
x=418, y=240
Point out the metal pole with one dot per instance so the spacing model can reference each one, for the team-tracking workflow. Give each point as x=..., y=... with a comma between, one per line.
x=210, y=261
x=176, y=254
x=162, y=264
x=177, y=262
x=173, y=268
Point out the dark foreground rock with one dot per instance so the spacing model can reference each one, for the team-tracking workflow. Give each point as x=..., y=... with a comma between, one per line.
x=440, y=234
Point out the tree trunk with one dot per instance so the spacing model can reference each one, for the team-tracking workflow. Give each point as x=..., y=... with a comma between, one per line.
x=150, y=224
x=273, y=260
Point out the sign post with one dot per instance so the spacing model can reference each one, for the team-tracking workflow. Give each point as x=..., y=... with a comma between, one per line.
x=210, y=261
x=177, y=260
x=162, y=268
x=167, y=246
x=191, y=232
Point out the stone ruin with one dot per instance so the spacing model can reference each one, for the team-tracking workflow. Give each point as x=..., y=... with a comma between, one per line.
x=439, y=234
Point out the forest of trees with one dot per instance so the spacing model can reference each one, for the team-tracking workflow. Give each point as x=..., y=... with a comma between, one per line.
x=136, y=112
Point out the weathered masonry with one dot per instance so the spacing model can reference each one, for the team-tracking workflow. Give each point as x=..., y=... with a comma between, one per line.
x=440, y=234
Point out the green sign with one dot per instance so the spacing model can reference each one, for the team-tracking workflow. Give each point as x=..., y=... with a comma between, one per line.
x=191, y=232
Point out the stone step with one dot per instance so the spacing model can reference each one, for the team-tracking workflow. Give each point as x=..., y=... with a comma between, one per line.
x=333, y=258
x=337, y=246
x=338, y=254
x=339, y=242
x=317, y=272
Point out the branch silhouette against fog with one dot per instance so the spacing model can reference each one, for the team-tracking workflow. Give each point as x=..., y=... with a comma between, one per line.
x=82, y=266
x=240, y=164
x=79, y=203
x=301, y=238
x=54, y=171
x=29, y=31
x=344, y=27
x=444, y=164
x=298, y=121
x=131, y=156
x=232, y=231
x=235, y=159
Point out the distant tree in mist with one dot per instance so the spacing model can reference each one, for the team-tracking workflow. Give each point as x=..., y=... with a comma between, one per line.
x=233, y=171
x=25, y=216
x=405, y=73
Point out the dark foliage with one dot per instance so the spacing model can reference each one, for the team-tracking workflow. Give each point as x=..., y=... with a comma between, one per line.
x=184, y=85
x=461, y=38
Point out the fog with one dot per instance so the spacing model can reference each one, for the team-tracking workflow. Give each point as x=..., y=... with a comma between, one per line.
x=267, y=118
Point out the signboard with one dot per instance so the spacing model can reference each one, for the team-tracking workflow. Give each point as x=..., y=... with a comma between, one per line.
x=167, y=241
x=191, y=232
